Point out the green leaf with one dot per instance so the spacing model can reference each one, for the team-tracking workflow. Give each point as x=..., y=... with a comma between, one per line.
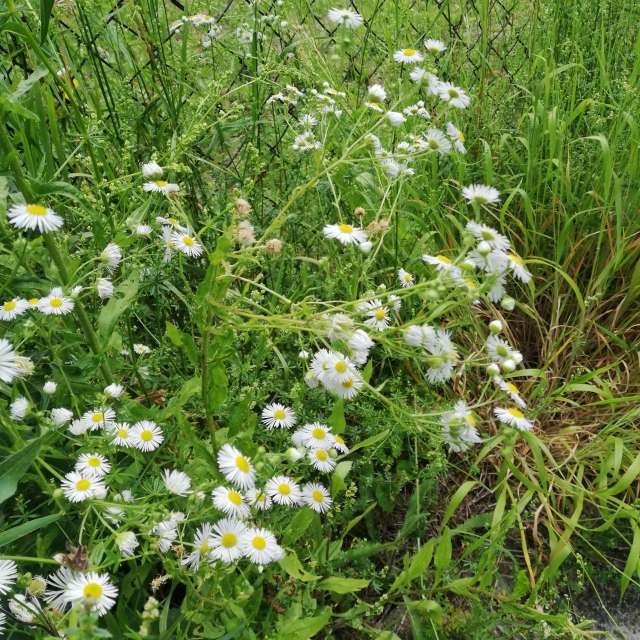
x=378, y=437
x=342, y=585
x=28, y=82
x=292, y=565
x=15, y=466
x=46, y=6
x=300, y=522
x=190, y=388
x=304, y=628
x=338, y=476
x=336, y=420
x=632, y=559
x=456, y=499
x=15, y=533
x=429, y=609
x=444, y=551
x=4, y=194
x=121, y=301
x=218, y=386
x=418, y=567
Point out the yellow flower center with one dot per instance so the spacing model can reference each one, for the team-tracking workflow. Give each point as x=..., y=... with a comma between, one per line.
x=242, y=464
x=348, y=383
x=259, y=543
x=453, y=93
x=321, y=454
x=9, y=306
x=36, y=210
x=260, y=497
x=229, y=540
x=460, y=136
x=204, y=547
x=284, y=489
x=146, y=435
x=345, y=228
x=512, y=387
x=443, y=259
x=407, y=277
x=161, y=183
x=379, y=314
x=409, y=52
x=92, y=590
x=235, y=498
x=340, y=366
x=93, y=462
x=318, y=433
x=279, y=414
x=122, y=433
x=97, y=417
x=171, y=220
x=471, y=420
x=186, y=240
x=55, y=302
x=317, y=496
x=516, y=413
x=516, y=259
x=339, y=439
x=83, y=484
x=34, y=301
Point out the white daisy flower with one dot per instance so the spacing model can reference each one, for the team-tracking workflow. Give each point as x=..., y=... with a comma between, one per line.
x=517, y=267
x=340, y=445
x=308, y=121
x=514, y=418
x=339, y=368
x=203, y=543
x=413, y=335
x=511, y=390
x=434, y=47
x=18, y=409
x=93, y=464
x=122, y=436
x=408, y=56
x=405, y=278
x=186, y=243
x=167, y=532
x=316, y=435
x=481, y=194
x=111, y=256
x=345, y=233
x=345, y=17
x=499, y=349
x=13, y=308
x=259, y=499
x=92, y=590
x=49, y=387
x=9, y=362
x=61, y=415
x=227, y=540
x=99, y=418
x=152, y=170
x=484, y=234
x=321, y=460
x=141, y=349
x=444, y=264
x=442, y=355
x=127, y=542
x=395, y=118
x=377, y=314
x=161, y=186
x=104, y=287
x=22, y=609
x=317, y=497
x=78, y=487
x=422, y=77
x=78, y=427
x=339, y=326
x=146, y=435
x=435, y=140
x=34, y=217
x=56, y=584
x=459, y=428
x=348, y=387
x=261, y=546
x=114, y=390
x=376, y=93
x=143, y=230
x=8, y=575
x=453, y=95
x=321, y=363
x=457, y=137
x=56, y=303
x=230, y=502
x=284, y=490
x=276, y=415
x=176, y=482
x=235, y=467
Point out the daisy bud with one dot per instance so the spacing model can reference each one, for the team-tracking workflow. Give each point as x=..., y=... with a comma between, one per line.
x=484, y=248
x=57, y=493
x=333, y=453
x=293, y=454
x=395, y=118
x=151, y=170
x=495, y=327
x=493, y=370
x=365, y=247
x=508, y=365
x=49, y=387
x=508, y=303
x=303, y=355
x=517, y=357
x=467, y=265
x=413, y=335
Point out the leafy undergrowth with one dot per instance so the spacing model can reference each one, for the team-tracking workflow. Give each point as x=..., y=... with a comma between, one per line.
x=316, y=322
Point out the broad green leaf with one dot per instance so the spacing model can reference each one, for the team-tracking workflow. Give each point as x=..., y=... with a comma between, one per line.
x=304, y=628
x=46, y=7
x=15, y=533
x=444, y=551
x=218, y=386
x=15, y=466
x=378, y=437
x=27, y=83
x=298, y=524
x=342, y=585
x=430, y=609
x=190, y=388
x=418, y=566
x=121, y=301
x=292, y=565
x=336, y=420
x=338, y=476
x=631, y=565
x=456, y=499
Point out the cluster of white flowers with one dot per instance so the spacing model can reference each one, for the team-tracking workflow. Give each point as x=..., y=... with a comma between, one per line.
x=336, y=372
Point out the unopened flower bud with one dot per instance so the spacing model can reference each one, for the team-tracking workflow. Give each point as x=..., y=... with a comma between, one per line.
x=517, y=357
x=365, y=246
x=509, y=365
x=508, y=303
x=495, y=327
x=493, y=370
x=484, y=248
x=293, y=455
